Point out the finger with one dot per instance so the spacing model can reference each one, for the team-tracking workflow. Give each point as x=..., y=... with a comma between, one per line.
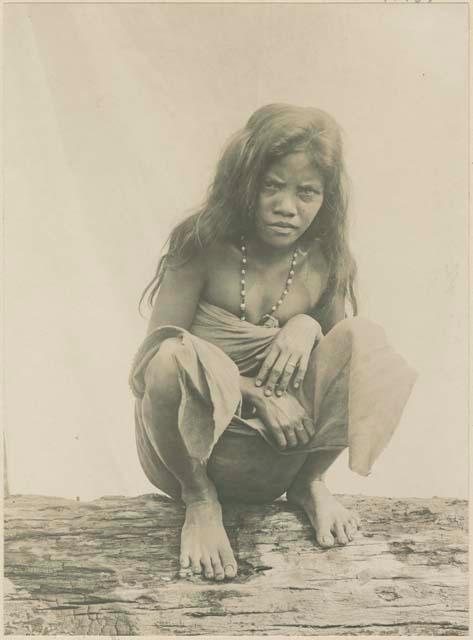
x=309, y=426
x=263, y=354
x=266, y=367
x=275, y=375
x=290, y=367
x=301, y=371
x=290, y=436
x=301, y=434
x=279, y=436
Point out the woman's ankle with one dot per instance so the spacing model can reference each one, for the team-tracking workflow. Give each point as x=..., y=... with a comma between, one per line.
x=200, y=492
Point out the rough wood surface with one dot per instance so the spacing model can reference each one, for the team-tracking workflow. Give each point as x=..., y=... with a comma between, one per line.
x=109, y=567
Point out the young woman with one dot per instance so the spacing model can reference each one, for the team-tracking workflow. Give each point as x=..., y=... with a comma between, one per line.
x=252, y=380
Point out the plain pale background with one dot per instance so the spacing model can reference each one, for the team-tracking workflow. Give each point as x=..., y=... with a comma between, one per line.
x=114, y=118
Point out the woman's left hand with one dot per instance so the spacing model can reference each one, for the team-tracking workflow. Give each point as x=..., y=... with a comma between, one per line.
x=288, y=355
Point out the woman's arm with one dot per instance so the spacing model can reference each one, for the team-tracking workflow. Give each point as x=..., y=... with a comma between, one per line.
x=288, y=356
x=332, y=313
x=178, y=296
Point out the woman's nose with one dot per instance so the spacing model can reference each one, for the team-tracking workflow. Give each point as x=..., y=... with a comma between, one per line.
x=286, y=205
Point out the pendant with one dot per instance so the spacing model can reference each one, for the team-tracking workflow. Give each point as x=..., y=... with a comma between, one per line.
x=269, y=321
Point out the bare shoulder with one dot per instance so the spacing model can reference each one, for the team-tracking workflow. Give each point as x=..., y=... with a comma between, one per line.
x=178, y=295
x=219, y=254
x=192, y=269
x=317, y=264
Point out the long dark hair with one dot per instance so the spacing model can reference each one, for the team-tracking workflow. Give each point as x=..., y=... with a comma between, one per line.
x=228, y=212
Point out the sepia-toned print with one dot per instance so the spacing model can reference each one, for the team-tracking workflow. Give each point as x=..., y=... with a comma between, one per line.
x=236, y=319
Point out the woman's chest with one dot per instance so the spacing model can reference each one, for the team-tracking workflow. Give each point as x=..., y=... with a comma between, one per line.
x=260, y=290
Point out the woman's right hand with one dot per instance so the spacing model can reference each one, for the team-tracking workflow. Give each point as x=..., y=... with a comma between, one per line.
x=285, y=418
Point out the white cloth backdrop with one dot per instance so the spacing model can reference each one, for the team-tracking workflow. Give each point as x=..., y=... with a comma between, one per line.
x=114, y=118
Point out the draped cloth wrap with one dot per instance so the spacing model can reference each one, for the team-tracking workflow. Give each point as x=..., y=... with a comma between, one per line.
x=355, y=388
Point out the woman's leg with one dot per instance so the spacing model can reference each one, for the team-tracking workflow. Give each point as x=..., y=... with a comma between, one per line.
x=204, y=542
x=325, y=397
x=326, y=514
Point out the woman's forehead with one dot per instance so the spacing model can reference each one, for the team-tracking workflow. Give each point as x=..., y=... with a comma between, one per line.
x=296, y=165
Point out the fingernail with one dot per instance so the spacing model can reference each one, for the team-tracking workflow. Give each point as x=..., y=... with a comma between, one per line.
x=258, y=383
x=267, y=392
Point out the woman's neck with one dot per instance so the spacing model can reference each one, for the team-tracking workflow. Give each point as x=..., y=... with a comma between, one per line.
x=265, y=253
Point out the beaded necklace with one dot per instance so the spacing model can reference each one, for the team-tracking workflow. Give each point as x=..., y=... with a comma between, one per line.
x=268, y=319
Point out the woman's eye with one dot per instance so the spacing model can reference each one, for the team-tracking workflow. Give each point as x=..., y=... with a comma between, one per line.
x=269, y=185
x=308, y=194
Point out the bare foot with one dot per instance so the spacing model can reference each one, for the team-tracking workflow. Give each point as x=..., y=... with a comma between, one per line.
x=204, y=542
x=331, y=521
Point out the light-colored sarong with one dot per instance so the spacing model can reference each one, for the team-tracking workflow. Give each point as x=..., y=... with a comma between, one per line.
x=355, y=388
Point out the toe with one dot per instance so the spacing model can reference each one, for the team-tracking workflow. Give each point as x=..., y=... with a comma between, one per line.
x=229, y=564
x=218, y=569
x=340, y=533
x=196, y=566
x=325, y=538
x=208, y=569
x=357, y=520
x=349, y=531
x=230, y=570
x=184, y=563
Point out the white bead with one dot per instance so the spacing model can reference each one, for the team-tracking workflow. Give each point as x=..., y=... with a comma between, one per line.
x=273, y=308
x=289, y=281
x=243, y=249
x=243, y=271
x=291, y=272
x=243, y=293
x=242, y=281
x=243, y=260
x=243, y=317
x=242, y=305
x=280, y=301
x=285, y=292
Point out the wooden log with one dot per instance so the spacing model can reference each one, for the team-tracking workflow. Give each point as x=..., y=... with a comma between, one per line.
x=109, y=567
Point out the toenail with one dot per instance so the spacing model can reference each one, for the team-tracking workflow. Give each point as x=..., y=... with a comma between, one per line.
x=326, y=539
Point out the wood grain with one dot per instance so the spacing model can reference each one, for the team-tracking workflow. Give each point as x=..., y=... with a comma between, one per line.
x=109, y=567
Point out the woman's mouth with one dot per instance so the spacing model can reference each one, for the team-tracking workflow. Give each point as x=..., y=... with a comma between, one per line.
x=282, y=229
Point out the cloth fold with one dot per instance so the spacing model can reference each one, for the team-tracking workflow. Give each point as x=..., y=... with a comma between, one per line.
x=355, y=388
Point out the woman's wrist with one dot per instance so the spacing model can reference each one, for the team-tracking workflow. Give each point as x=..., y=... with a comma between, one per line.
x=307, y=321
x=250, y=393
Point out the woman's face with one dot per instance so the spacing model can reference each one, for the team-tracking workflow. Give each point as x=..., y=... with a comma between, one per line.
x=291, y=195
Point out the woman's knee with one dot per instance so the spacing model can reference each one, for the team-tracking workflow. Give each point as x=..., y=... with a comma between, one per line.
x=357, y=330
x=357, y=325
x=162, y=368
